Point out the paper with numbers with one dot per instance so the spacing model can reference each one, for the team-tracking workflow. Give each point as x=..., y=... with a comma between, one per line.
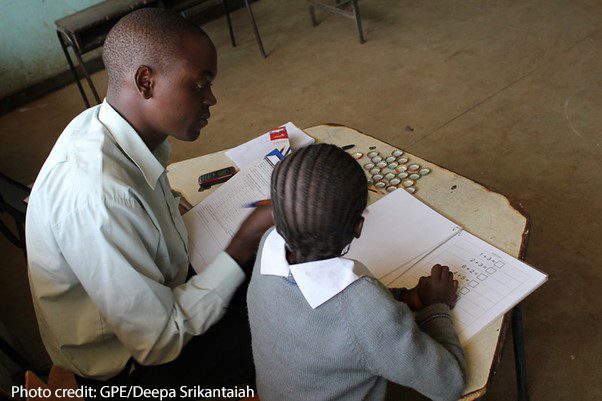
x=491, y=282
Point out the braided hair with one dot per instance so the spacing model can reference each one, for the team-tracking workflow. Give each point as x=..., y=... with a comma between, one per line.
x=318, y=195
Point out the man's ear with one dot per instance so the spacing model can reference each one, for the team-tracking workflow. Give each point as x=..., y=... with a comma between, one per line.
x=145, y=81
x=357, y=231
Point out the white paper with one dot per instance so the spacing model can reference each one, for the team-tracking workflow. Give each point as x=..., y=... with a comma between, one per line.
x=249, y=152
x=214, y=221
x=398, y=228
x=491, y=282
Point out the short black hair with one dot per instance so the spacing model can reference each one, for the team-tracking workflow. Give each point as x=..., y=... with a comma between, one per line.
x=318, y=195
x=148, y=36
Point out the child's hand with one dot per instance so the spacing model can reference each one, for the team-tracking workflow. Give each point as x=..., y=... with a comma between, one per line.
x=440, y=287
x=409, y=297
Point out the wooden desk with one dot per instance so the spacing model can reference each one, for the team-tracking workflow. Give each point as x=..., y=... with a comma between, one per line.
x=484, y=213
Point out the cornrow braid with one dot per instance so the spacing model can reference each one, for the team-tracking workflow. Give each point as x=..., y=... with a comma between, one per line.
x=318, y=195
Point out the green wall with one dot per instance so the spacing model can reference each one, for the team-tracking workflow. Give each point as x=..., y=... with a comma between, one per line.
x=29, y=48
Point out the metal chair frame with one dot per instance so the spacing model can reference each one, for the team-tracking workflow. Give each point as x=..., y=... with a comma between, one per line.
x=354, y=14
x=15, y=211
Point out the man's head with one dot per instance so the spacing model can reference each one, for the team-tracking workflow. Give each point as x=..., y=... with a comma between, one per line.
x=161, y=65
x=318, y=195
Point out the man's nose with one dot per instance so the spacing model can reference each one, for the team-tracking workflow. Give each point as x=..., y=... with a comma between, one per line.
x=210, y=98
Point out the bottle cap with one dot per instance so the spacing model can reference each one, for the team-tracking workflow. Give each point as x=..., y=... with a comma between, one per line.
x=376, y=159
x=380, y=184
x=425, y=171
x=369, y=166
x=377, y=177
x=357, y=155
x=390, y=159
x=391, y=188
x=375, y=170
x=402, y=160
x=414, y=176
x=402, y=175
x=372, y=154
x=413, y=167
x=397, y=152
x=407, y=183
x=381, y=164
x=389, y=176
x=394, y=181
x=393, y=165
x=411, y=189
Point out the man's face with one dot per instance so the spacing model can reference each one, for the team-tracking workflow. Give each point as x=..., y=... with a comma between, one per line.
x=182, y=94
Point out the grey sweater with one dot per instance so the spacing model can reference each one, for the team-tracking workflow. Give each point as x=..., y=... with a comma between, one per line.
x=347, y=348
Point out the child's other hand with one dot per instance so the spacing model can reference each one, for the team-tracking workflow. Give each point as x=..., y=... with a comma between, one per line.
x=440, y=287
x=409, y=297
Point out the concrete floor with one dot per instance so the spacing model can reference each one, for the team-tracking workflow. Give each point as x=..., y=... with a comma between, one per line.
x=507, y=93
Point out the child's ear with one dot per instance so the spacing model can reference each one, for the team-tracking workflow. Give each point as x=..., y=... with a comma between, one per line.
x=357, y=231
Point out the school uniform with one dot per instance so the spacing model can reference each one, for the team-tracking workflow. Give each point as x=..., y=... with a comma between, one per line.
x=328, y=330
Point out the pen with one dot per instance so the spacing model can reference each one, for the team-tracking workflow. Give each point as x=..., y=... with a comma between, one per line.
x=347, y=146
x=264, y=202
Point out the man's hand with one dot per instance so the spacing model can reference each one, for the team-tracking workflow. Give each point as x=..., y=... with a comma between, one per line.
x=184, y=205
x=440, y=287
x=243, y=246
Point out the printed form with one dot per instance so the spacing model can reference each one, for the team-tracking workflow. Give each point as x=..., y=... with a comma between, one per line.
x=491, y=282
x=214, y=221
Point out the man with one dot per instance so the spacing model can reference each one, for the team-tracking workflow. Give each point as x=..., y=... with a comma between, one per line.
x=107, y=247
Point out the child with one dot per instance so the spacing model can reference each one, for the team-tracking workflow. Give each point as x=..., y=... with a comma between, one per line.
x=322, y=328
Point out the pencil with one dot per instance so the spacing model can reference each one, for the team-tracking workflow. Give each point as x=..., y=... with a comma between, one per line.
x=264, y=202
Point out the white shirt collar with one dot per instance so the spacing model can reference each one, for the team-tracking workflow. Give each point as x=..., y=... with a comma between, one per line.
x=318, y=281
x=152, y=165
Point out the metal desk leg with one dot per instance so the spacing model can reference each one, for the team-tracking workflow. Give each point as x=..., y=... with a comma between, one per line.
x=227, y=10
x=73, y=70
x=85, y=72
x=312, y=15
x=519, y=353
x=358, y=20
x=257, y=37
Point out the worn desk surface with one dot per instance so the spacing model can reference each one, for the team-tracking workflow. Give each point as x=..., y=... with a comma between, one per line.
x=484, y=213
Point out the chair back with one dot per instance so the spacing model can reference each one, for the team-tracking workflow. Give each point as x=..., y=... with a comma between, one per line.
x=12, y=203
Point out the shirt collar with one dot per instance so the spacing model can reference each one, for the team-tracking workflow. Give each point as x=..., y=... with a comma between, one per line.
x=318, y=281
x=152, y=165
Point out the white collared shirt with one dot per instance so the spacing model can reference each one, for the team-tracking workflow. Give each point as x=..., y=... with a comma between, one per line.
x=318, y=281
x=107, y=253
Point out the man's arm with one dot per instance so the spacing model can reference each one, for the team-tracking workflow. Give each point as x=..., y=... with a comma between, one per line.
x=111, y=247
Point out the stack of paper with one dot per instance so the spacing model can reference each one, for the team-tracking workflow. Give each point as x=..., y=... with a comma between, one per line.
x=249, y=152
x=214, y=221
x=403, y=239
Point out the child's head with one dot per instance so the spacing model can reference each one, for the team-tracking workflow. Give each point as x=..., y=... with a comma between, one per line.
x=318, y=195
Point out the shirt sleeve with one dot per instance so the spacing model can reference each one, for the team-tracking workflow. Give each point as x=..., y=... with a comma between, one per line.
x=111, y=247
x=427, y=358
